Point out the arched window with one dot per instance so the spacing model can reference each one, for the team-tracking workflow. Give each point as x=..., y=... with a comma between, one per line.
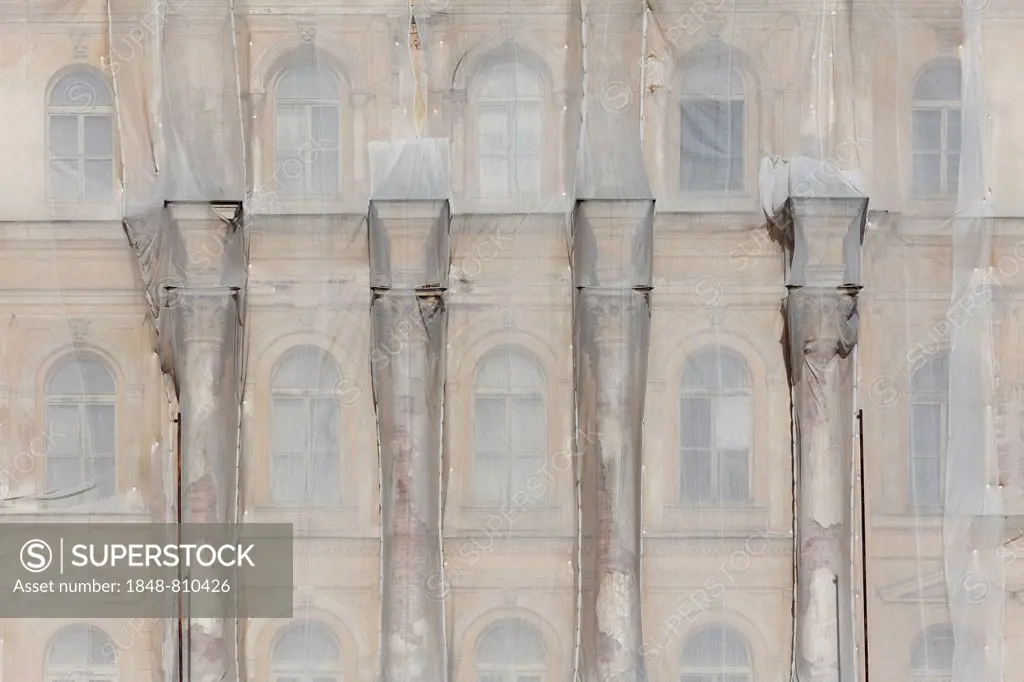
x=935, y=130
x=713, y=135
x=509, y=428
x=931, y=659
x=81, y=432
x=509, y=118
x=307, y=122
x=81, y=653
x=929, y=413
x=80, y=138
x=306, y=652
x=511, y=651
x=716, y=427
x=716, y=654
x=305, y=441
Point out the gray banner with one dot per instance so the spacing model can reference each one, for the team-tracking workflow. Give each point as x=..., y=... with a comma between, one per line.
x=88, y=570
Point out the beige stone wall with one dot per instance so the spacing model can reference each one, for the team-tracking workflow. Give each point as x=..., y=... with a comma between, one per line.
x=69, y=283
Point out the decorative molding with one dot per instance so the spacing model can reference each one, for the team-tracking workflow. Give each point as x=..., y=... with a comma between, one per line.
x=360, y=98
x=307, y=31
x=949, y=38
x=716, y=26
x=79, y=329
x=928, y=589
x=257, y=101
x=80, y=44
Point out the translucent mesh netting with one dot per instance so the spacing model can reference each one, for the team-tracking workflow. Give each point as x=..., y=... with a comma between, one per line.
x=559, y=332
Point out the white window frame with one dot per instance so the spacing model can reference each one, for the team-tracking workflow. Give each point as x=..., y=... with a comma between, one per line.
x=509, y=396
x=927, y=397
x=512, y=108
x=81, y=113
x=944, y=107
x=717, y=673
x=305, y=671
x=82, y=401
x=688, y=98
x=85, y=671
x=715, y=397
x=307, y=104
x=511, y=672
x=309, y=397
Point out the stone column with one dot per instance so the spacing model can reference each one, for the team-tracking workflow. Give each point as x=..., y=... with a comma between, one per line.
x=194, y=278
x=824, y=236
x=408, y=276
x=611, y=263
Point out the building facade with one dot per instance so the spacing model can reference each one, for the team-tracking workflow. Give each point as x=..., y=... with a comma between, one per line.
x=290, y=103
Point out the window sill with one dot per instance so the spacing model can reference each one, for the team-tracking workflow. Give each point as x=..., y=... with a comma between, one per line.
x=716, y=508
x=306, y=520
x=710, y=202
x=942, y=206
x=513, y=205
x=510, y=518
x=84, y=210
x=679, y=518
x=268, y=202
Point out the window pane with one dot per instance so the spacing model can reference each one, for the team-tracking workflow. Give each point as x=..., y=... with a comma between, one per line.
x=490, y=477
x=99, y=472
x=326, y=422
x=99, y=136
x=494, y=177
x=926, y=131
x=528, y=172
x=528, y=477
x=528, y=129
x=953, y=130
x=926, y=433
x=324, y=126
x=289, y=424
x=712, y=144
x=492, y=131
x=527, y=424
x=63, y=180
x=63, y=474
x=287, y=478
x=64, y=137
x=732, y=423
x=926, y=482
x=99, y=180
x=81, y=90
x=292, y=131
x=735, y=477
x=952, y=173
x=62, y=430
x=98, y=435
x=290, y=173
x=324, y=172
x=491, y=424
x=696, y=422
x=326, y=480
x=697, y=478
x=927, y=174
